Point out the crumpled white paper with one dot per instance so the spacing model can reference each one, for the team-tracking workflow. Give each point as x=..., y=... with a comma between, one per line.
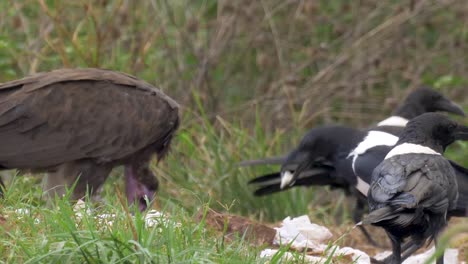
x=450, y=256
x=301, y=234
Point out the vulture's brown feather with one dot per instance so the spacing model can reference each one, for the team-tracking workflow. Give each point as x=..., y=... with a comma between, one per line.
x=83, y=121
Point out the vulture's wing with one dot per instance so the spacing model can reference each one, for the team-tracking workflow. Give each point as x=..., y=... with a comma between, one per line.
x=71, y=114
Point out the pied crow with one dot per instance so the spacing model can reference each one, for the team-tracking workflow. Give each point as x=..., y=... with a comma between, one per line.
x=378, y=141
x=321, y=157
x=414, y=187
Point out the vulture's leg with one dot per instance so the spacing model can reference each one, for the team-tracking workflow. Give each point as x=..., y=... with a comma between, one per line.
x=90, y=177
x=2, y=187
x=140, y=185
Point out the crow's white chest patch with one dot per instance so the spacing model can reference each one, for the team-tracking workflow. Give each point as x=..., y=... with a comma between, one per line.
x=409, y=148
x=373, y=139
x=362, y=186
x=394, y=121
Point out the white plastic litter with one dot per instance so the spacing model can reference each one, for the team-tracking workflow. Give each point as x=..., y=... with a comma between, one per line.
x=152, y=218
x=356, y=255
x=302, y=234
x=21, y=212
x=450, y=256
x=269, y=253
x=80, y=209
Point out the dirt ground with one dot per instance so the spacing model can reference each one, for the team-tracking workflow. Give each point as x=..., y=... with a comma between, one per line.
x=263, y=234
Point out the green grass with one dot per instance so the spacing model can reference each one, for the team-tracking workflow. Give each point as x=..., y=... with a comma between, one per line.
x=59, y=236
x=199, y=172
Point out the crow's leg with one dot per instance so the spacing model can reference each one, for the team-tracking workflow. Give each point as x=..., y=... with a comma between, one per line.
x=412, y=246
x=440, y=260
x=395, y=258
x=357, y=217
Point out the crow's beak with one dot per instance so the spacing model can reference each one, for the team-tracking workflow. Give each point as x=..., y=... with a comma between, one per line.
x=286, y=179
x=461, y=133
x=290, y=173
x=287, y=173
x=449, y=106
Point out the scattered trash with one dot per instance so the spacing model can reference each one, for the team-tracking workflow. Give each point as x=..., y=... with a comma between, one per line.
x=304, y=236
x=357, y=256
x=152, y=218
x=450, y=256
x=269, y=253
x=22, y=212
x=155, y=218
x=301, y=234
x=309, y=240
x=80, y=209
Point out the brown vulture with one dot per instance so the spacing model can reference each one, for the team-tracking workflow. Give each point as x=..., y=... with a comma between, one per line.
x=78, y=124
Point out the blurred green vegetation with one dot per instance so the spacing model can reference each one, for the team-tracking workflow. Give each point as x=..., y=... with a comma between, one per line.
x=296, y=63
x=251, y=76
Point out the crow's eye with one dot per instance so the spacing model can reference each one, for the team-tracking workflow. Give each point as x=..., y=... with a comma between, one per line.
x=452, y=127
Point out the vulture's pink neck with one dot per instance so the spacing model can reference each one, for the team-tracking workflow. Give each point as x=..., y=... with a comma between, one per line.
x=135, y=190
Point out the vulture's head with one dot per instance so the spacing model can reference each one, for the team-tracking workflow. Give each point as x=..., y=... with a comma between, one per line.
x=140, y=185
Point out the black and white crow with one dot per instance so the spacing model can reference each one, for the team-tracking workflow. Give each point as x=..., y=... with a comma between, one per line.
x=379, y=140
x=328, y=147
x=414, y=187
x=321, y=157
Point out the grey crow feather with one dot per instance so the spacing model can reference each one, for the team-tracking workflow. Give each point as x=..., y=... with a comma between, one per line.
x=414, y=187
